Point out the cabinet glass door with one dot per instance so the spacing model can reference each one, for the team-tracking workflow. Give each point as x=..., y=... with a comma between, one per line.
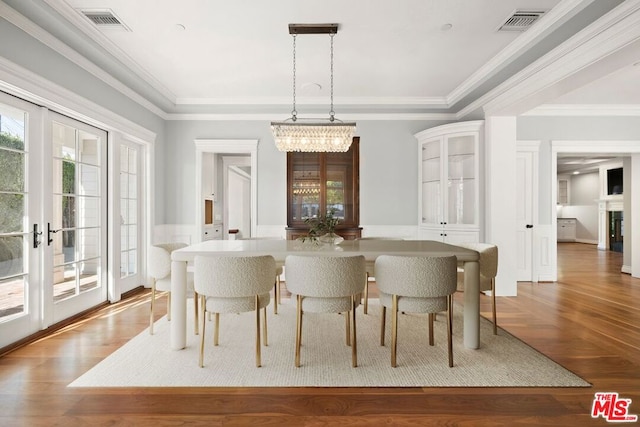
x=431, y=183
x=305, y=188
x=461, y=183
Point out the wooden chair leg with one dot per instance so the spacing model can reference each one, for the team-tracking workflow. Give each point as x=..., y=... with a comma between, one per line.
x=366, y=295
x=216, y=328
x=354, y=343
x=347, y=327
x=493, y=305
x=431, y=318
x=382, y=324
x=265, y=339
x=394, y=329
x=195, y=313
x=298, y=329
x=276, y=294
x=258, y=355
x=202, y=304
x=153, y=303
x=449, y=329
x=169, y=306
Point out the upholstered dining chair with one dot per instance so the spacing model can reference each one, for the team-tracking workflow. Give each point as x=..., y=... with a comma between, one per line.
x=370, y=267
x=415, y=284
x=277, y=297
x=488, y=263
x=159, y=269
x=234, y=285
x=326, y=285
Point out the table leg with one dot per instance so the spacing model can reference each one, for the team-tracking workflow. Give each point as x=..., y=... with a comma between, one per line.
x=178, y=322
x=471, y=304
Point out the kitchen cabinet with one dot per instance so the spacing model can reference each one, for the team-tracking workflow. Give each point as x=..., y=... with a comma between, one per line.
x=567, y=229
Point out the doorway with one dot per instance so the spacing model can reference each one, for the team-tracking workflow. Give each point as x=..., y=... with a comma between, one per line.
x=613, y=148
x=237, y=195
x=53, y=209
x=228, y=147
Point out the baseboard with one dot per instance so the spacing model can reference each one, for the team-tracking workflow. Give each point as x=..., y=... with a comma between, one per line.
x=587, y=241
x=626, y=269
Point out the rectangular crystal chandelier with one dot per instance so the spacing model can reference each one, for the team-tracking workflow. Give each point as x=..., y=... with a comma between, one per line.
x=318, y=136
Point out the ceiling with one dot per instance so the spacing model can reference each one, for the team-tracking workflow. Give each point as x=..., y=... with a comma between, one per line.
x=415, y=57
x=438, y=59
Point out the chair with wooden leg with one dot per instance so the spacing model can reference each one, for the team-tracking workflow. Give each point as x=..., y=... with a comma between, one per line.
x=234, y=285
x=326, y=285
x=159, y=269
x=488, y=264
x=370, y=267
x=416, y=284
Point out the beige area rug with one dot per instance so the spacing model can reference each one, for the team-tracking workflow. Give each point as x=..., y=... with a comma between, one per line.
x=502, y=360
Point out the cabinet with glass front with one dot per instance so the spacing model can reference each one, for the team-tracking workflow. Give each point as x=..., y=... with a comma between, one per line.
x=449, y=182
x=318, y=183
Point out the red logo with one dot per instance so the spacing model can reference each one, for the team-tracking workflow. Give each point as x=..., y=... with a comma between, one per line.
x=612, y=408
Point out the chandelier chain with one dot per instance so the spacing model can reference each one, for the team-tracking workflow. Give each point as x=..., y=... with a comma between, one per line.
x=331, y=112
x=294, y=113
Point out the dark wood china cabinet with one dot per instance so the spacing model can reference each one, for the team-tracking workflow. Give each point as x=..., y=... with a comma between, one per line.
x=318, y=182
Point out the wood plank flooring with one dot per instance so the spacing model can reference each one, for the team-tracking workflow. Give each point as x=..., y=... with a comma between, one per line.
x=589, y=321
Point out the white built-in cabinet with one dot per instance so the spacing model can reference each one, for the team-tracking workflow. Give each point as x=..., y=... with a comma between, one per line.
x=449, y=182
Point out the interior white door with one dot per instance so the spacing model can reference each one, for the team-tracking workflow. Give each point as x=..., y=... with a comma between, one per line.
x=524, y=215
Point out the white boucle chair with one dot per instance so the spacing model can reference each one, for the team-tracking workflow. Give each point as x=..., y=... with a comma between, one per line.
x=414, y=284
x=370, y=267
x=488, y=263
x=326, y=285
x=159, y=269
x=277, y=291
x=234, y=285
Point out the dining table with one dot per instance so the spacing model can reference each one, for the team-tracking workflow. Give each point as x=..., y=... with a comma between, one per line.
x=280, y=249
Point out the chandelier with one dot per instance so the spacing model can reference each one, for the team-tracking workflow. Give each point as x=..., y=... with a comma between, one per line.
x=316, y=135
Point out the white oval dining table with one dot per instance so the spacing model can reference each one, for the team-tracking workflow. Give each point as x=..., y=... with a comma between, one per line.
x=279, y=249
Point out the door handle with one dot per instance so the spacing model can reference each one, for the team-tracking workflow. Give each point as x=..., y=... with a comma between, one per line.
x=49, y=232
x=529, y=225
x=36, y=235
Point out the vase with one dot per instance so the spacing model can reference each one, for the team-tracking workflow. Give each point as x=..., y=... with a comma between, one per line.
x=331, y=238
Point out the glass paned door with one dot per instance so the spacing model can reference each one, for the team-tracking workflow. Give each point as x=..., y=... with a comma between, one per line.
x=129, y=203
x=461, y=179
x=76, y=238
x=20, y=288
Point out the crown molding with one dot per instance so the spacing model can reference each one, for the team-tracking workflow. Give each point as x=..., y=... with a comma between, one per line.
x=77, y=19
x=351, y=117
x=602, y=110
x=34, y=88
x=426, y=102
x=44, y=37
x=556, y=15
x=615, y=31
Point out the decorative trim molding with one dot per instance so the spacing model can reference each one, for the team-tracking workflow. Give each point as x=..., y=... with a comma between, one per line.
x=626, y=269
x=614, y=31
x=602, y=110
x=36, y=89
x=270, y=117
x=76, y=18
x=426, y=102
x=15, y=18
x=555, y=16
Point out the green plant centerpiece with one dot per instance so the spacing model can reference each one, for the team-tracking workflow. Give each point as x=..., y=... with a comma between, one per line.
x=322, y=229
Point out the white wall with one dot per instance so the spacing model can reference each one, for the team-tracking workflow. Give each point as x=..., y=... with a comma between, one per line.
x=583, y=206
x=388, y=170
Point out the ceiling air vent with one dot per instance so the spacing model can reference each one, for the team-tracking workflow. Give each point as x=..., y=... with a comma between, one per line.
x=105, y=18
x=521, y=20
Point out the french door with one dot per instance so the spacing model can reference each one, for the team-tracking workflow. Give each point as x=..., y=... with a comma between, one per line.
x=53, y=209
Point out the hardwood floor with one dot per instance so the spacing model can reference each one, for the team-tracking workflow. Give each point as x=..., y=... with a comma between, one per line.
x=589, y=321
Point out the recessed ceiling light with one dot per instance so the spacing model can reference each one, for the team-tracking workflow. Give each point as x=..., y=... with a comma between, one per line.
x=180, y=27
x=446, y=27
x=576, y=172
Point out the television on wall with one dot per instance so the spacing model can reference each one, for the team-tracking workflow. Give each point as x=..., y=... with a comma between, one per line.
x=614, y=181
